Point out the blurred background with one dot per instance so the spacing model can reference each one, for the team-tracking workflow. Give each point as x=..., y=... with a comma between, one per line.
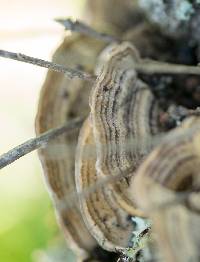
x=28, y=230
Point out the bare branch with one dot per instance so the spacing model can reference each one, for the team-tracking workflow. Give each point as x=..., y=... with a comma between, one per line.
x=73, y=197
x=145, y=66
x=69, y=72
x=35, y=143
x=179, y=198
x=156, y=67
x=78, y=26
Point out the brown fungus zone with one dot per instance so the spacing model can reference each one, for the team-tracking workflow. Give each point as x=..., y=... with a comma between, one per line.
x=125, y=113
x=58, y=158
x=63, y=99
x=166, y=187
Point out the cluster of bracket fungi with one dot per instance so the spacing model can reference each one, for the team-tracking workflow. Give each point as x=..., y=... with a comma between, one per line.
x=141, y=132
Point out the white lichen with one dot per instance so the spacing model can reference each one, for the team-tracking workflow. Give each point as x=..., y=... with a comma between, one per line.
x=168, y=15
x=138, y=240
x=184, y=10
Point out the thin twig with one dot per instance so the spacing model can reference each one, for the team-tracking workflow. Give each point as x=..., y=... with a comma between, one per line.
x=145, y=66
x=72, y=198
x=179, y=198
x=155, y=67
x=69, y=72
x=78, y=26
x=35, y=143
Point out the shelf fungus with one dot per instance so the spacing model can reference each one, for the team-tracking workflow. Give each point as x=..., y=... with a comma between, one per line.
x=105, y=219
x=123, y=123
x=119, y=132
x=63, y=99
x=124, y=116
x=166, y=187
x=132, y=198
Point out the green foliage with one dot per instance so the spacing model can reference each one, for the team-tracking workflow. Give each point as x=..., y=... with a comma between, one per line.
x=33, y=231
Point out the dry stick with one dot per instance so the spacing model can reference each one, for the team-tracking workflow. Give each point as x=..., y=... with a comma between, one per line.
x=145, y=66
x=179, y=198
x=73, y=197
x=78, y=26
x=40, y=141
x=43, y=140
x=69, y=72
x=149, y=66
